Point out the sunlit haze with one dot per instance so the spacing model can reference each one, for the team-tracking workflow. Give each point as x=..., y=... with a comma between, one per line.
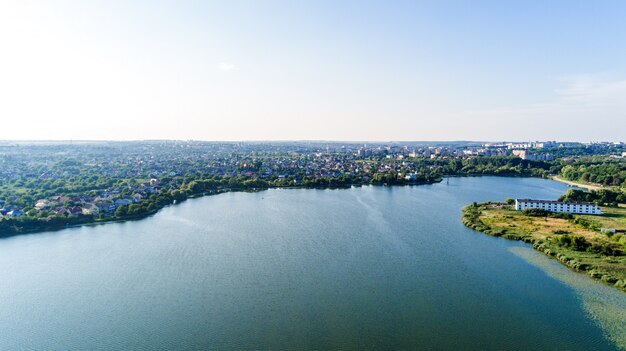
x=324, y=70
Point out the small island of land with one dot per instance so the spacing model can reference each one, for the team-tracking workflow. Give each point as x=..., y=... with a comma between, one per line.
x=577, y=241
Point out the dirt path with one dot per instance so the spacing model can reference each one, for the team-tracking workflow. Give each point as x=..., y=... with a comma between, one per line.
x=586, y=186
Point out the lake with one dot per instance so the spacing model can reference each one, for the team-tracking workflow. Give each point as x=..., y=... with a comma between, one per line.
x=300, y=269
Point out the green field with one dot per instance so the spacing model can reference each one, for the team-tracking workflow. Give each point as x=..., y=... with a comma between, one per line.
x=612, y=218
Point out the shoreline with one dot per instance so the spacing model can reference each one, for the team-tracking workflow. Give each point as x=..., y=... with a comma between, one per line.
x=86, y=221
x=580, y=185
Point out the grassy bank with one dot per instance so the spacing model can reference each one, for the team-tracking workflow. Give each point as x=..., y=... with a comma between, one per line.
x=574, y=240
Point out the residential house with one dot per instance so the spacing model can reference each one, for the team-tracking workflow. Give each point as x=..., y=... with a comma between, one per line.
x=16, y=214
x=61, y=211
x=105, y=206
x=76, y=210
x=60, y=199
x=41, y=204
x=120, y=202
x=91, y=209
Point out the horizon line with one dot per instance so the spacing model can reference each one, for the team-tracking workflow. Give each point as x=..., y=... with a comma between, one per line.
x=301, y=141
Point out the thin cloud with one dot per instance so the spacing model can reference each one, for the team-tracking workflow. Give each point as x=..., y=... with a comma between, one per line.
x=226, y=66
x=590, y=107
x=584, y=93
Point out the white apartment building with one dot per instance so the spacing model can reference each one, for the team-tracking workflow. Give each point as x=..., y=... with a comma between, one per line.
x=558, y=206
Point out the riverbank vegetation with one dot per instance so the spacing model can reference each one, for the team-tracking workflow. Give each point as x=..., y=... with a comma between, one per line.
x=577, y=241
x=603, y=197
x=170, y=191
x=596, y=170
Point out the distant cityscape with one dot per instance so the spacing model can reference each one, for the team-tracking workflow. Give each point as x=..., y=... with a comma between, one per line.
x=65, y=182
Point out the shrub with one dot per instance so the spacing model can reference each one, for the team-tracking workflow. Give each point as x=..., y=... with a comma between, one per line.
x=575, y=242
x=535, y=212
x=606, y=249
x=586, y=223
x=562, y=215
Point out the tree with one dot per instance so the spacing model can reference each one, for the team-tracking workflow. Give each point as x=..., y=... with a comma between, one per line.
x=121, y=211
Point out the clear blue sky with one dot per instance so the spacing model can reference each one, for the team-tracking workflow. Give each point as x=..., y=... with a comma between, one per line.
x=338, y=70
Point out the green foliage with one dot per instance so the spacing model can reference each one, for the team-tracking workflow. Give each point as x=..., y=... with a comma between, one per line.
x=575, y=242
x=599, y=171
x=602, y=196
x=121, y=211
x=607, y=249
x=585, y=223
x=471, y=217
x=536, y=212
x=491, y=165
x=562, y=215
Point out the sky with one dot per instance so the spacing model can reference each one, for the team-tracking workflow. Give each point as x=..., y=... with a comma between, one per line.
x=313, y=70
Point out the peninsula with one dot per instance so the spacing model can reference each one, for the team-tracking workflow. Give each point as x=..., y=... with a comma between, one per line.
x=594, y=244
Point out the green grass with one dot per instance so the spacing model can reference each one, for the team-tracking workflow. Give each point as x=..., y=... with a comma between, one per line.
x=612, y=218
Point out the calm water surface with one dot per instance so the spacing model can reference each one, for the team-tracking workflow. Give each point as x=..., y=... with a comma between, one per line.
x=364, y=268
